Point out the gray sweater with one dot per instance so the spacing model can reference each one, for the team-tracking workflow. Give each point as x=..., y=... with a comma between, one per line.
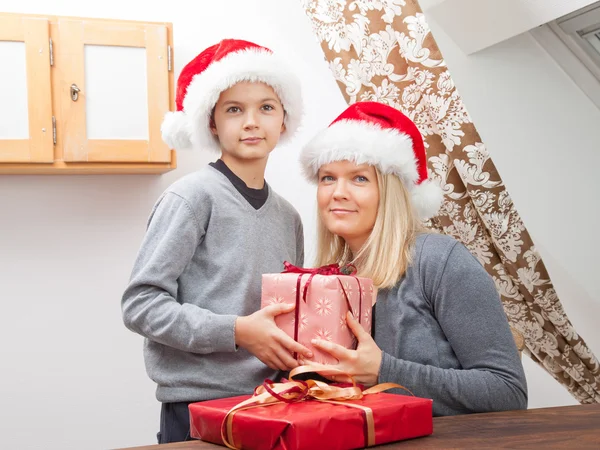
x=199, y=267
x=445, y=336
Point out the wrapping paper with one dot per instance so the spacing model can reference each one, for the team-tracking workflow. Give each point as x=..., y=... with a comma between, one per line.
x=321, y=308
x=313, y=424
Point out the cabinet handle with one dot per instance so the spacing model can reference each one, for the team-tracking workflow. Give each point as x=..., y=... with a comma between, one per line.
x=75, y=92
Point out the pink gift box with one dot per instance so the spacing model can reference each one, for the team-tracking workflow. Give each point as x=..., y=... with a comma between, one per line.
x=321, y=309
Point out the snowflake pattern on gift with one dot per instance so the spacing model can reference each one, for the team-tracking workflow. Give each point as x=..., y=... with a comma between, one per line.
x=276, y=300
x=277, y=277
x=343, y=324
x=347, y=288
x=324, y=281
x=324, y=334
x=294, y=288
x=323, y=306
x=303, y=322
x=363, y=290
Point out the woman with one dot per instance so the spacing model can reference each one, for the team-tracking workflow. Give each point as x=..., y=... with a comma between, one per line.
x=440, y=329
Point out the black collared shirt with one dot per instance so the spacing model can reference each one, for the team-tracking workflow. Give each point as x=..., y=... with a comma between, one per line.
x=256, y=197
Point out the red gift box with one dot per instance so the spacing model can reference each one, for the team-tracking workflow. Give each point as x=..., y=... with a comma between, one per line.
x=374, y=419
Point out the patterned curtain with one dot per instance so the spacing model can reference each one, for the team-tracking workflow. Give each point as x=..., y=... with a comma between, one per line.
x=382, y=50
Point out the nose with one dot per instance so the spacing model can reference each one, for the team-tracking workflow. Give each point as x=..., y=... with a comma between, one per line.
x=250, y=119
x=341, y=190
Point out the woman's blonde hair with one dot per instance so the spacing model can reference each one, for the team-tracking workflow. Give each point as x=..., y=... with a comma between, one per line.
x=387, y=253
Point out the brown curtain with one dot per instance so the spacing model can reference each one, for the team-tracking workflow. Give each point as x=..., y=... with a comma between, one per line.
x=382, y=50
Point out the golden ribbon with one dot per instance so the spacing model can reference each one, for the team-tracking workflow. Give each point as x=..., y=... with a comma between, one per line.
x=293, y=391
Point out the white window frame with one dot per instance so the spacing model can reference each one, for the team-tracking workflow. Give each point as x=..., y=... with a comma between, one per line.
x=564, y=39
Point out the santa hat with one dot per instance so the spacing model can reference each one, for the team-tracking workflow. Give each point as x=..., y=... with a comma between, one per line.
x=215, y=70
x=381, y=136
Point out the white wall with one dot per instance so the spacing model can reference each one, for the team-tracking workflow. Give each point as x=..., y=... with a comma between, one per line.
x=478, y=24
x=73, y=376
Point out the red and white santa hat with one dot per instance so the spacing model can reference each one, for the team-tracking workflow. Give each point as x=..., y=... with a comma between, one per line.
x=213, y=71
x=381, y=136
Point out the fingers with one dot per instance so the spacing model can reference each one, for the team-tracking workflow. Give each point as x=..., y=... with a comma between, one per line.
x=294, y=347
x=275, y=362
x=277, y=357
x=307, y=362
x=279, y=308
x=356, y=327
x=286, y=358
x=335, y=350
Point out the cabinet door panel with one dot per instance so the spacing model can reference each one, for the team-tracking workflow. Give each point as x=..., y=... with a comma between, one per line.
x=120, y=73
x=26, y=131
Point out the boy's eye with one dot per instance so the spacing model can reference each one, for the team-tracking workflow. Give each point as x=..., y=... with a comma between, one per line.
x=268, y=107
x=233, y=109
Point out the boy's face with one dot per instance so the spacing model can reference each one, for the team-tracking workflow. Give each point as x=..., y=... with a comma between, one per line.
x=248, y=121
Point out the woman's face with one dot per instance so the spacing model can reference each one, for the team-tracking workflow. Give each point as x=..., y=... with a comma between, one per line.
x=348, y=198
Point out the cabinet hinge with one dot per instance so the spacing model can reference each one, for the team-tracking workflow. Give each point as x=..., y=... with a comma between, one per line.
x=54, y=130
x=51, y=53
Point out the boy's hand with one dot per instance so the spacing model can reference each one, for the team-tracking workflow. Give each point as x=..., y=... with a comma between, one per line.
x=258, y=334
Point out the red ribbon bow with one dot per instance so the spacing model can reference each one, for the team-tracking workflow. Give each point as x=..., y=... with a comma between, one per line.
x=331, y=269
x=292, y=391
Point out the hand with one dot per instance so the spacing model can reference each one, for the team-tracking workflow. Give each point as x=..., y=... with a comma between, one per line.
x=259, y=334
x=362, y=363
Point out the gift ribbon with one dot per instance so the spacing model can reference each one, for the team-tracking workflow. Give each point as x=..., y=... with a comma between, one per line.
x=293, y=391
x=331, y=269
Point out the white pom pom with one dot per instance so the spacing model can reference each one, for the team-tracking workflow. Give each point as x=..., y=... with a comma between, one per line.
x=174, y=130
x=427, y=198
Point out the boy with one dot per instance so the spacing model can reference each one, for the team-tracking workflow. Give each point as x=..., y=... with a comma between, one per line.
x=194, y=292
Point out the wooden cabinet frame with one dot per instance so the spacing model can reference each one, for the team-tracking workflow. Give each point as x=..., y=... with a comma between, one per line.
x=35, y=33
x=57, y=125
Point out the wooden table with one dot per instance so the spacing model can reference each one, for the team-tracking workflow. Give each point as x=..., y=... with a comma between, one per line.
x=561, y=427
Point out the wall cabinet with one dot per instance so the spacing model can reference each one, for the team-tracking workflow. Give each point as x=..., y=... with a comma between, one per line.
x=84, y=95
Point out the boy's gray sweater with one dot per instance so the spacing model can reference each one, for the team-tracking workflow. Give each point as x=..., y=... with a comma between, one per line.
x=199, y=267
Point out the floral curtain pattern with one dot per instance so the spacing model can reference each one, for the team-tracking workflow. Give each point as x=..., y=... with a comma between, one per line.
x=383, y=50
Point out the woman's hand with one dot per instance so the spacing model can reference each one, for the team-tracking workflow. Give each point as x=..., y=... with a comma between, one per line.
x=362, y=363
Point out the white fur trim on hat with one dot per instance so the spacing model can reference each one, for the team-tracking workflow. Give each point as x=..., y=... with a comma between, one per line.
x=367, y=143
x=427, y=198
x=175, y=130
x=361, y=143
x=254, y=65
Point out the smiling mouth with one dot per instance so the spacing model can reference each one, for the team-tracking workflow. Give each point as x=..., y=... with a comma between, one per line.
x=341, y=211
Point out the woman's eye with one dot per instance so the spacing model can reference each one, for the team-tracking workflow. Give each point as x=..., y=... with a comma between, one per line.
x=268, y=107
x=326, y=179
x=361, y=179
x=233, y=109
